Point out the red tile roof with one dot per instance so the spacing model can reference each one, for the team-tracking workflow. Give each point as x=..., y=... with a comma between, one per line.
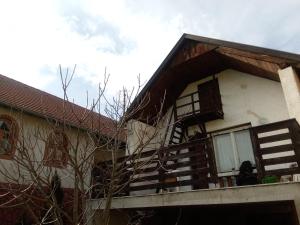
x=20, y=96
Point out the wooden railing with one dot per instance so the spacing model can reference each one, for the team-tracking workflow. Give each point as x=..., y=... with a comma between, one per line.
x=187, y=105
x=179, y=165
x=277, y=148
x=192, y=165
x=190, y=105
x=189, y=164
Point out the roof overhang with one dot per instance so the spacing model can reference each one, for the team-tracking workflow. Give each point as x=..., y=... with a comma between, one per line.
x=194, y=58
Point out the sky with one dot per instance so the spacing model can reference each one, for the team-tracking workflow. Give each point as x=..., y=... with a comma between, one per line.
x=127, y=38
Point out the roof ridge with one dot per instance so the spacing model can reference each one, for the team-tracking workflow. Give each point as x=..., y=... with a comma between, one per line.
x=242, y=46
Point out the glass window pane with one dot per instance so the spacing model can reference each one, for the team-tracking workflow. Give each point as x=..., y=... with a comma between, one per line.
x=5, y=139
x=244, y=146
x=224, y=152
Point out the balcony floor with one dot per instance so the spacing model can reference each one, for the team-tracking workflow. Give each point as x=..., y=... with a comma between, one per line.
x=233, y=195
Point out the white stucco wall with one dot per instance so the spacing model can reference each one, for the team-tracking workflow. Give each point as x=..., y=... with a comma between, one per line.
x=139, y=132
x=246, y=98
x=29, y=126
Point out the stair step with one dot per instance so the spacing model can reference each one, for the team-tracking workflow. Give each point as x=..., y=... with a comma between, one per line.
x=179, y=125
x=177, y=135
x=178, y=128
x=174, y=137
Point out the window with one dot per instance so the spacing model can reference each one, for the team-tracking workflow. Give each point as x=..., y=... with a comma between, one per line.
x=56, y=151
x=209, y=96
x=232, y=148
x=8, y=136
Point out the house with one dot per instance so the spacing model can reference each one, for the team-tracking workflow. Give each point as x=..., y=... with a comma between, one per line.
x=224, y=104
x=41, y=135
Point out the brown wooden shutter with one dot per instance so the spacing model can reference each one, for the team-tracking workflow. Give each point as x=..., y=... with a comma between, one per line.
x=209, y=96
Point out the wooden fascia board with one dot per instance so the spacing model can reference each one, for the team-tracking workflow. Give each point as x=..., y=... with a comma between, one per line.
x=244, y=47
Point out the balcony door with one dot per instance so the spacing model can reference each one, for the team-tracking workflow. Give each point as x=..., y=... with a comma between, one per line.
x=231, y=149
x=209, y=96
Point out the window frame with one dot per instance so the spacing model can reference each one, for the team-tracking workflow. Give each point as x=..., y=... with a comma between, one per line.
x=13, y=138
x=53, y=162
x=236, y=156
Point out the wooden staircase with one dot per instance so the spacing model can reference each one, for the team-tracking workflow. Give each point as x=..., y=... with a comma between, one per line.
x=177, y=133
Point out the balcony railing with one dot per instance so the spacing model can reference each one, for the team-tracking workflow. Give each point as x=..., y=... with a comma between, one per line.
x=190, y=106
x=189, y=164
x=277, y=148
x=192, y=165
x=187, y=105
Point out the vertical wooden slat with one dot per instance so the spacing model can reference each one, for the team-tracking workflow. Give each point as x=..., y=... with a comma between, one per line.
x=168, y=126
x=193, y=106
x=294, y=130
x=161, y=172
x=221, y=182
x=257, y=153
x=175, y=113
x=229, y=181
x=211, y=160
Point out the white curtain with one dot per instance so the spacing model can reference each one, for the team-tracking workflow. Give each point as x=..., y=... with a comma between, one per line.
x=224, y=152
x=244, y=146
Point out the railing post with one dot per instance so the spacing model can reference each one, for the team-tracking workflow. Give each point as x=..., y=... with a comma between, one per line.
x=294, y=130
x=212, y=160
x=161, y=163
x=257, y=154
x=175, y=112
x=193, y=107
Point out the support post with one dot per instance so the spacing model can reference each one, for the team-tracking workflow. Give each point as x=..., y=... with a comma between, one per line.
x=290, y=82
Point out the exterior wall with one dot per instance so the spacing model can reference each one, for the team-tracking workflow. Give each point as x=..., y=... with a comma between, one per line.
x=139, y=132
x=29, y=126
x=246, y=98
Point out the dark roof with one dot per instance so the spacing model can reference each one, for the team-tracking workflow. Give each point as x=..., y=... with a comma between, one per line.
x=194, y=57
x=19, y=96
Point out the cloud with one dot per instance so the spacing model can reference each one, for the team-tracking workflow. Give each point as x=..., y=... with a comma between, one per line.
x=92, y=27
x=128, y=37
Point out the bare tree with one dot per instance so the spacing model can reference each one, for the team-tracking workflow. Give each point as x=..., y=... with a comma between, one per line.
x=53, y=153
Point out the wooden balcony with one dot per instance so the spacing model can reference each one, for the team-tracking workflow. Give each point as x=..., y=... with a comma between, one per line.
x=200, y=106
x=192, y=165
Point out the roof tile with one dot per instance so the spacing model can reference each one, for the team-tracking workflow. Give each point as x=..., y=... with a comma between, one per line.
x=20, y=96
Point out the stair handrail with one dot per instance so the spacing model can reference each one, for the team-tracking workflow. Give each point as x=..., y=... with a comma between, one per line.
x=168, y=127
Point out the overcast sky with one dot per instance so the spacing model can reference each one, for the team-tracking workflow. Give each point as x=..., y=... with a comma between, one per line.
x=128, y=37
